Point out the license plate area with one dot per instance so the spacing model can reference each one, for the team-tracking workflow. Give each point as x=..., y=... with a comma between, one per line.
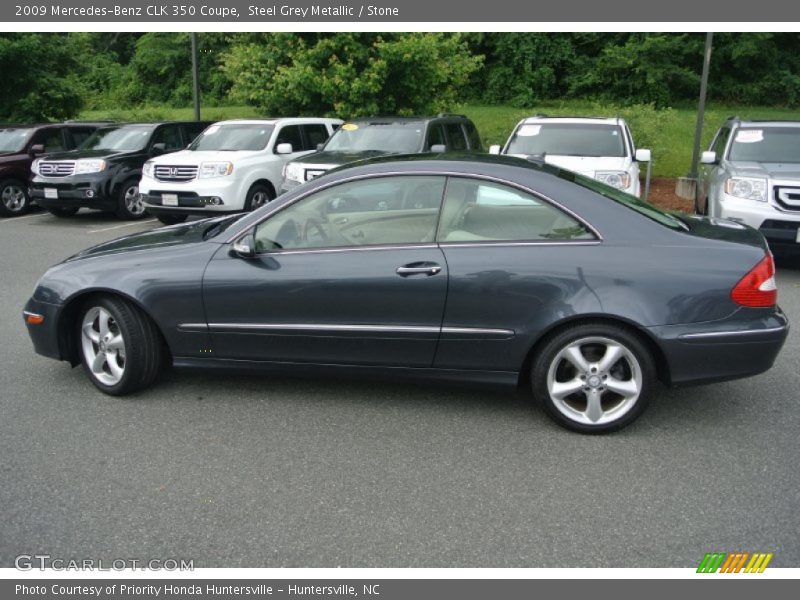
x=51, y=193
x=169, y=199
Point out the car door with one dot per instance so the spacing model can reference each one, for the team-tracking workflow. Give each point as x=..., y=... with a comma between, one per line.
x=513, y=264
x=349, y=274
x=707, y=174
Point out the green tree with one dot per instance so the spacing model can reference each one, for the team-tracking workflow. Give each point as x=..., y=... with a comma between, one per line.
x=349, y=74
x=40, y=77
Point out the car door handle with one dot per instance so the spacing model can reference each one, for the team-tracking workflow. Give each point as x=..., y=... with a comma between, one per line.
x=428, y=270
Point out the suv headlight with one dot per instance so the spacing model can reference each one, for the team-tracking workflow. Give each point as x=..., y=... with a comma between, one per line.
x=147, y=169
x=35, y=166
x=749, y=188
x=293, y=172
x=618, y=179
x=215, y=169
x=89, y=165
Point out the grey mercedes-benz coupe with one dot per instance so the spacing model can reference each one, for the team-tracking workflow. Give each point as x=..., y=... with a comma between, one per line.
x=462, y=268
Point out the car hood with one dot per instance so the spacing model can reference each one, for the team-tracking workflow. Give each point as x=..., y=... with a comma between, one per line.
x=77, y=154
x=334, y=159
x=185, y=233
x=195, y=157
x=771, y=170
x=585, y=165
x=12, y=156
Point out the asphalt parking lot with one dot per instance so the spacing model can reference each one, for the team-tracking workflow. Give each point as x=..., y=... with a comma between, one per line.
x=266, y=471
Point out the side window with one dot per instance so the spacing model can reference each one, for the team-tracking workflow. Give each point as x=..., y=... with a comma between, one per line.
x=478, y=211
x=383, y=210
x=315, y=134
x=435, y=136
x=170, y=136
x=456, y=137
x=80, y=135
x=51, y=138
x=473, y=136
x=720, y=141
x=290, y=134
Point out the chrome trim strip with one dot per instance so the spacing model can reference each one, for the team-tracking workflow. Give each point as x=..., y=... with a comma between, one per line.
x=543, y=243
x=743, y=332
x=334, y=328
x=351, y=249
x=513, y=184
x=27, y=313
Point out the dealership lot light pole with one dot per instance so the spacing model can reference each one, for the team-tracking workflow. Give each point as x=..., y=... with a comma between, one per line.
x=195, y=79
x=701, y=109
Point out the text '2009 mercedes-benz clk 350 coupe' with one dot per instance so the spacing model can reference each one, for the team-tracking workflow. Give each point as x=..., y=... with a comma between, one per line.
x=451, y=267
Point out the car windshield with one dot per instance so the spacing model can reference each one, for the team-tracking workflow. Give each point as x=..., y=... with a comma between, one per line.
x=13, y=139
x=233, y=136
x=767, y=144
x=632, y=202
x=567, y=139
x=128, y=138
x=402, y=138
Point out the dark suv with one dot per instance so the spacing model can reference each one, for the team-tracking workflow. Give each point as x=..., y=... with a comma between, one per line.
x=20, y=144
x=375, y=136
x=104, y=172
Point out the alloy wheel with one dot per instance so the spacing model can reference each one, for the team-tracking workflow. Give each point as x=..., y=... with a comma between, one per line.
x=103, y=346
x=133, y=202
x=14, y=198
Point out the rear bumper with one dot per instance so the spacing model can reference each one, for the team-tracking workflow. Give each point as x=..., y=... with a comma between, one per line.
x=722, y=350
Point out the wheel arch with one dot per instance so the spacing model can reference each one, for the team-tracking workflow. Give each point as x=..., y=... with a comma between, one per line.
x=266, y=182
x=660, y=359
x=68, y=341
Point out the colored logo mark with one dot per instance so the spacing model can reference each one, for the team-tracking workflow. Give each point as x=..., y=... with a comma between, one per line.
x=734, y=562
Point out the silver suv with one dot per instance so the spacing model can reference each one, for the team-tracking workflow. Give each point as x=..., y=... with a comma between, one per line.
x=751, y=174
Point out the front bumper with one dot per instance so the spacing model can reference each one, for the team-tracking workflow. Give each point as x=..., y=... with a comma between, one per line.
x=778, y=226
x=742, y=346
x=45, y=336
x=90, y=191
x=189, y=203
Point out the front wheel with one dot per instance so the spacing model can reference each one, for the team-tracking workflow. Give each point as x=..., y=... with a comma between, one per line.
x=593, y=377
x=120, y=348
x=171, y=219
x=258, y=196
x=130, y=205
x=14, y=199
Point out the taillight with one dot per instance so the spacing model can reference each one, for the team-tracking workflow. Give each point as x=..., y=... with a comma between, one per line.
x=757, y=289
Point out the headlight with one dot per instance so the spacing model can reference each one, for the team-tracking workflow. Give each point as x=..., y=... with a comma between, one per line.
x=618, y=179
x=294, y=172
x=148, y=168
x=749, y=188
x=215, y=169
x=35, y=166
x=86, y=165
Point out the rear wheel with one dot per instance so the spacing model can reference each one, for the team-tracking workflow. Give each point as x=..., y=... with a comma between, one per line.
x=13, y=198
x=63, y=211
x=130, y=206
x=593, y=377
x=258, y=196
x=171, y=219
x=121, y=350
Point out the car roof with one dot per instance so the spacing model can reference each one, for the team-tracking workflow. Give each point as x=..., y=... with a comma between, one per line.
x=767, y=123
x=274, y=120
x=389, y=119
x=603, y=120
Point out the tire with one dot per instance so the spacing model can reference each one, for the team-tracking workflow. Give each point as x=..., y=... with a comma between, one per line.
x=63, y=211
x=171, y=219
x=14, y=199
x=257, y=196
x=586, y=401
x=129, y=206
x=120, y=347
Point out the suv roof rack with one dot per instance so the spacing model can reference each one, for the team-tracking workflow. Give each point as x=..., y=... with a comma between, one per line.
x=444, y=114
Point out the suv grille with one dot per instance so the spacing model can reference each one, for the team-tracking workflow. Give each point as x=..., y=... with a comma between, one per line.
x=63, y=168
x=175, y=173
x=788, y=197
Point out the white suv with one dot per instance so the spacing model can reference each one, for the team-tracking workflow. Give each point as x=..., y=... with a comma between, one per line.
x=233, y=166
x=596, y=147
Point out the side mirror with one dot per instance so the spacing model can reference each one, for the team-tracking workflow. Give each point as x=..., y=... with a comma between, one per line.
x=708, y=158
x=283, y=149
x=244, y=247
x=494, y=149
x=37, y=149
x=438, y=148
x=320, y=147
x=159, y=148
x=643, y=155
